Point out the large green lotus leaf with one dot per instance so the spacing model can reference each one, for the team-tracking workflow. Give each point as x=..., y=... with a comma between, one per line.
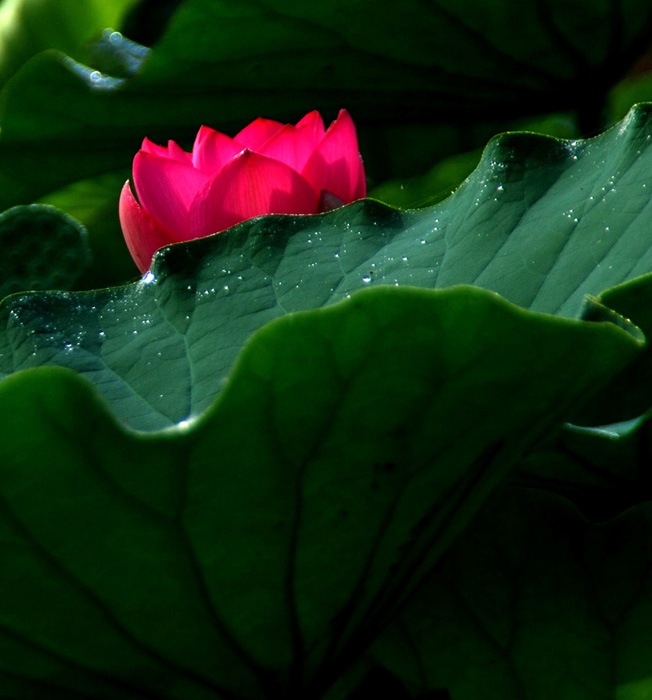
x=542, y=222
x=533, y=601
x=255, y=552
x=414, y=62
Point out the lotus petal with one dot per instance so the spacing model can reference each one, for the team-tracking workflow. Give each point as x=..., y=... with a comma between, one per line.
x=143, y=234
x=336, y=165
x=250, y=185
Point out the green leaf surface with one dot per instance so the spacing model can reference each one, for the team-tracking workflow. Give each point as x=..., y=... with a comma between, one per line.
x=533, y=601
x=629, y=395
x=449, y=172
x=542, y=222
x=94, y=203
x=42, y=248
x=603, y=472
x=30, y=26
x=415, y=62
x=348, y=448
x=437, y=184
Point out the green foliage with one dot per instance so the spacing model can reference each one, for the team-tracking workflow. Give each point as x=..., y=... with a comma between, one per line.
x=32, y=26
x=365, y=434
x=542, y=222
x=557, y=606
x=42, y=249
x=219, y=66
x=379, y=450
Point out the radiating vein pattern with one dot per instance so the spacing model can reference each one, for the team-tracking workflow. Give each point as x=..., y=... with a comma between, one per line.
x=541, y=221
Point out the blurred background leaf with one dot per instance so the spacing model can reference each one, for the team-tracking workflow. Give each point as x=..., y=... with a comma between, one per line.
x=42, y=248
x=28, y=27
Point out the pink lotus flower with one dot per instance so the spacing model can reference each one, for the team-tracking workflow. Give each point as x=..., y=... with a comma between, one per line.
x=267, y=168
